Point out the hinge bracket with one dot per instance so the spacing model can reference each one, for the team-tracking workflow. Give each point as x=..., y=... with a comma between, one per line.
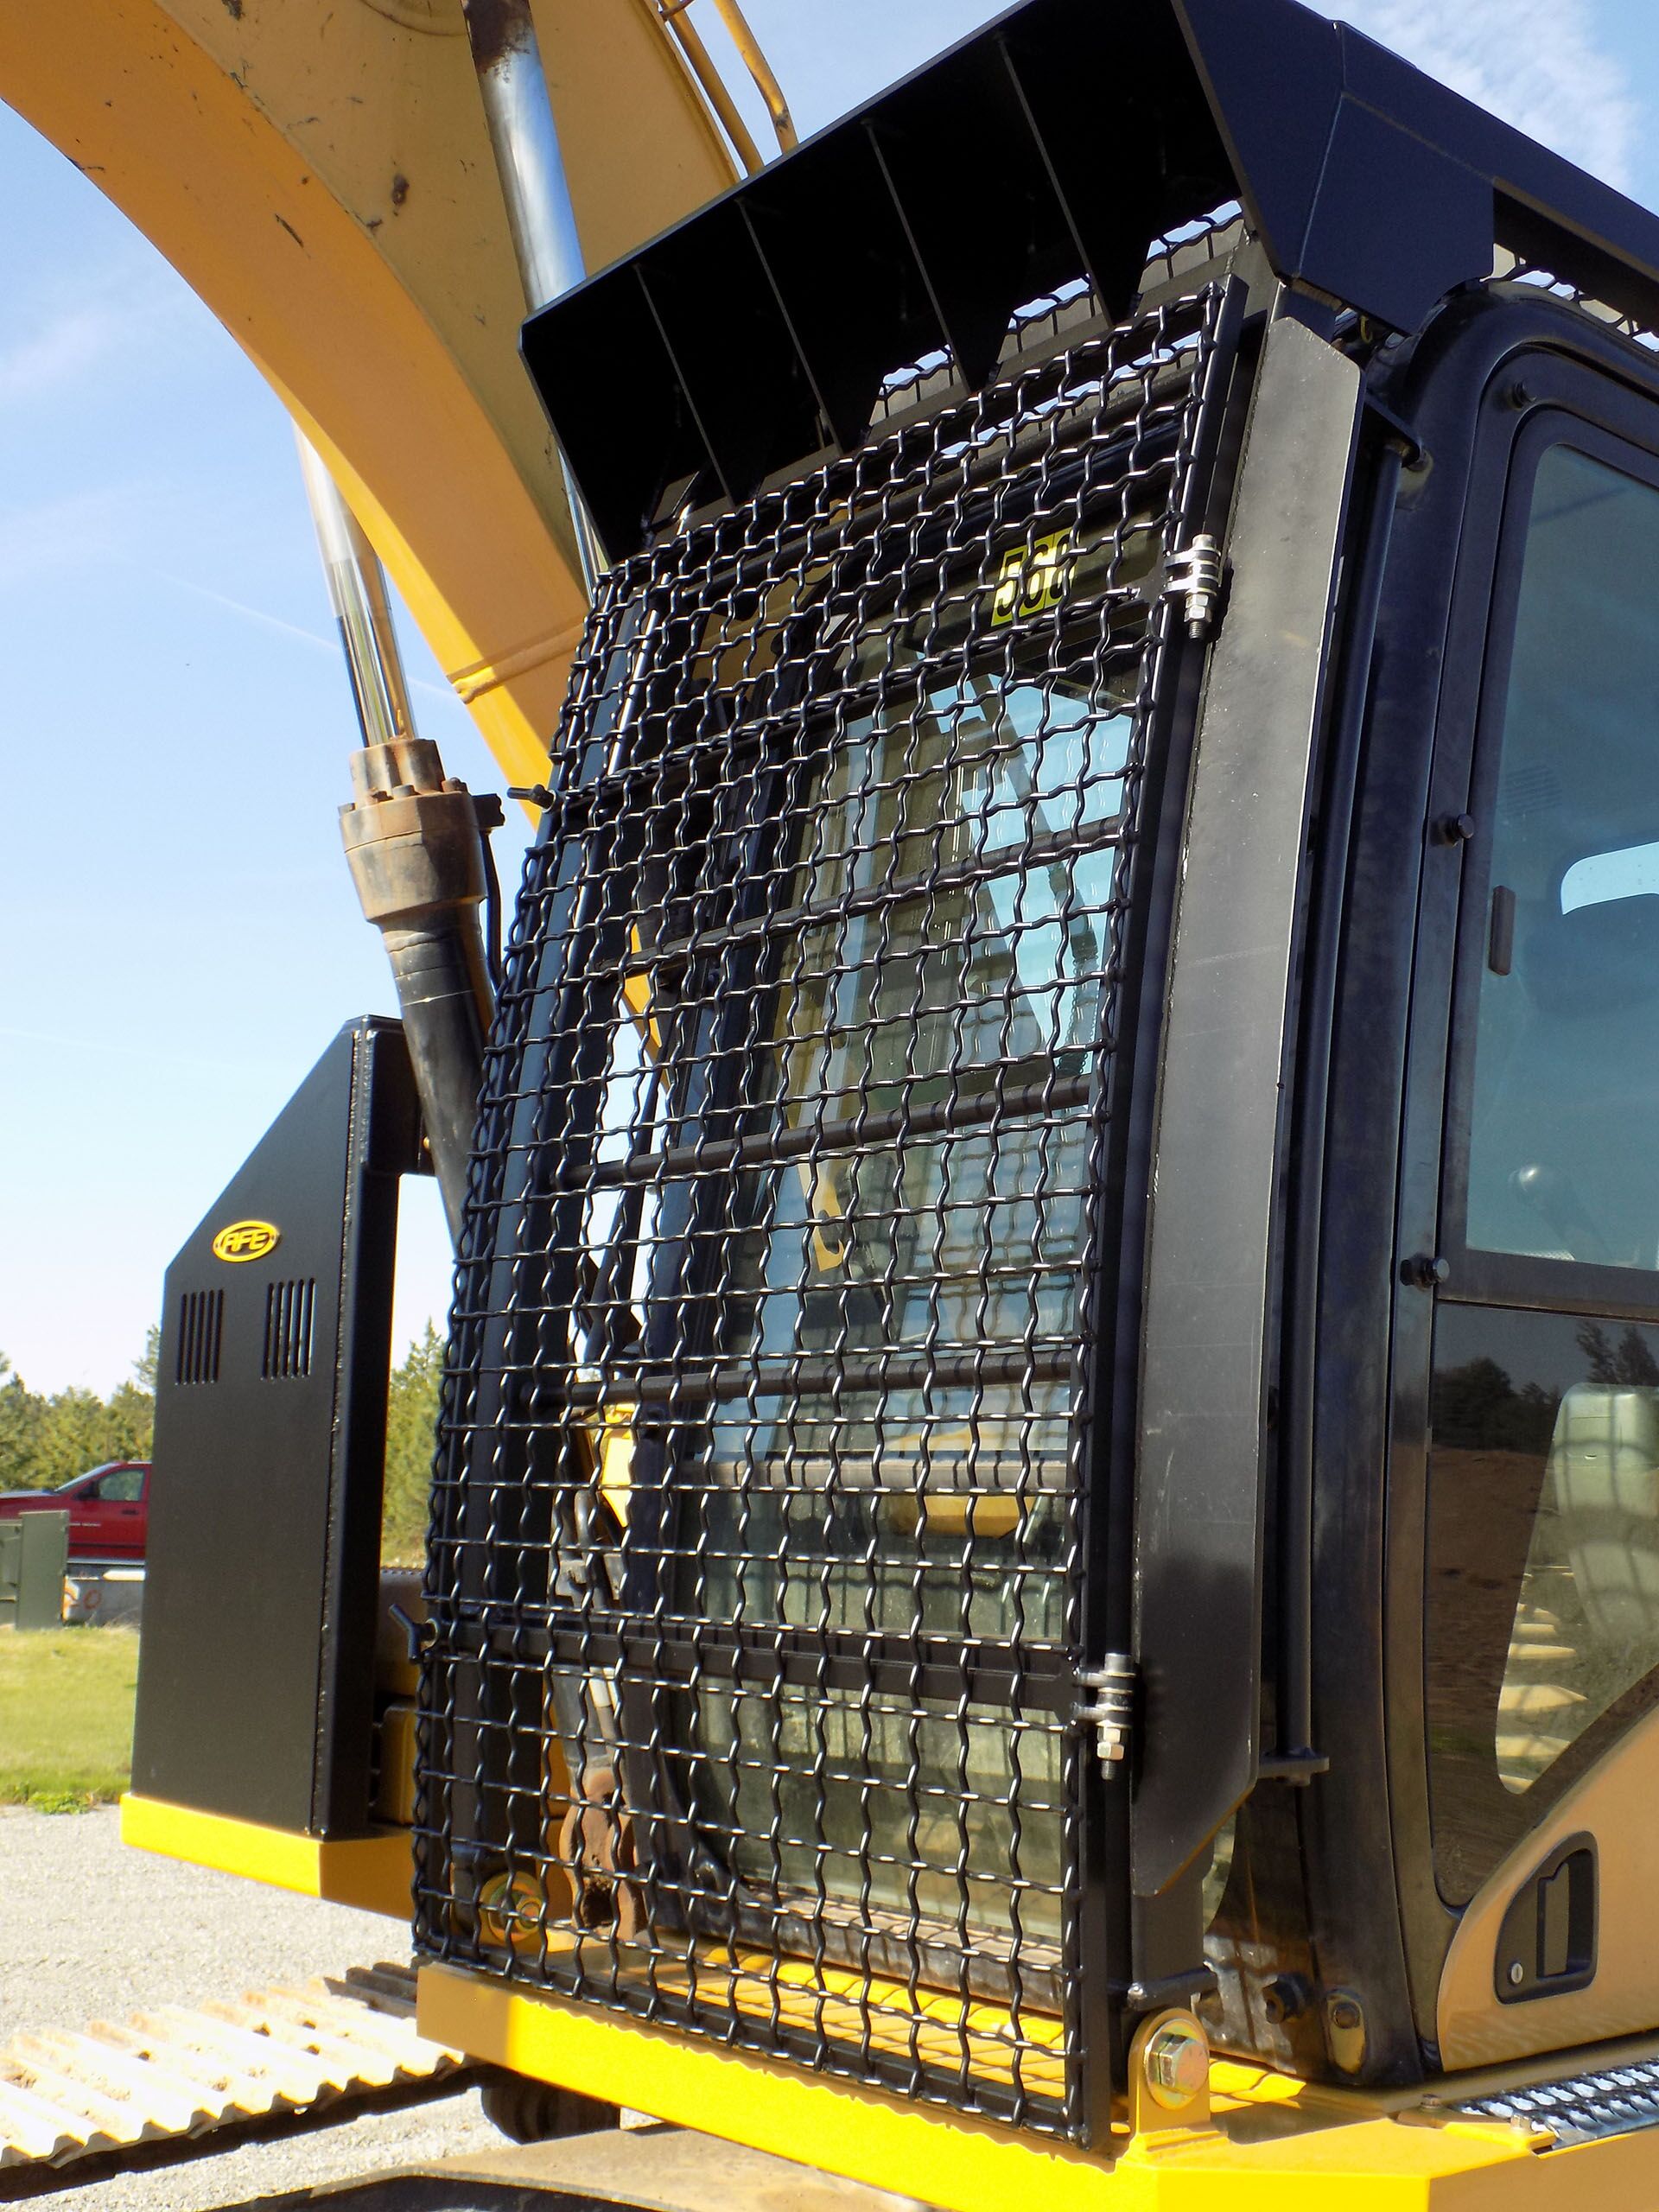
x=1195, y=577
x=1111, y=1708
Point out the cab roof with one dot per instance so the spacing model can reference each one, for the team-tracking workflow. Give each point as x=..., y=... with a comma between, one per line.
x=1052, y=145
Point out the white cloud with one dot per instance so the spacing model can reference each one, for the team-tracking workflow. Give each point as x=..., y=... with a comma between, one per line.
x=329, y=646
x=1537, y=63
x=106, y=321
x=45, y=359
x=65, y=533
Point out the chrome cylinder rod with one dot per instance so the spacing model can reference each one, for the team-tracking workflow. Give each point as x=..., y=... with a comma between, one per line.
x=362, y=605
x=541, y=219
x=525, y=142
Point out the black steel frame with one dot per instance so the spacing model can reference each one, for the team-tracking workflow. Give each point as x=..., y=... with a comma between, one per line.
x=510, y=1586
x=1569, y=384
x=744, y=344
x=1365, y=1825
x=1339, y=1543
x=256, y=1693
x=1205, y=1489
x=1163, y=1959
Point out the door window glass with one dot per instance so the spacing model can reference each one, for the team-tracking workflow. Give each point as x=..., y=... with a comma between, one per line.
x=1562, y=1160
x=1543, y=1566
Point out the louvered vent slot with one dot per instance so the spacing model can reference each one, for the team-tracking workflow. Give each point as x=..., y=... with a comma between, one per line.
x=290, y=1310
x=201, y=1325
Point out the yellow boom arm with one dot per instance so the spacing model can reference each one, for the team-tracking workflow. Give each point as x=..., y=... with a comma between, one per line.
x=320, y=173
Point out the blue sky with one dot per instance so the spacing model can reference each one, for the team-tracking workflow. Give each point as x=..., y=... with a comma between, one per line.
x=180, y=937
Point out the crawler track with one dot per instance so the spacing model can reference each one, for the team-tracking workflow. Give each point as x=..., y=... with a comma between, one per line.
x=175, y=2072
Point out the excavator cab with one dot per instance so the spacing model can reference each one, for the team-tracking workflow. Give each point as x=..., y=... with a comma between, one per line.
x=1045, y=1529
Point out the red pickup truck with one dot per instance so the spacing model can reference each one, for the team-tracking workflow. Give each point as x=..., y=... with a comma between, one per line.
x=108, y=1509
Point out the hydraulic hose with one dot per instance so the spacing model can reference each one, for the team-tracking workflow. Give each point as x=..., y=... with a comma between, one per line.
x=415, y=842
x=417, y=856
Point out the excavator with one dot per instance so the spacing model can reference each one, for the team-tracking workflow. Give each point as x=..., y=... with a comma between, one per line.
x=1043, y=1581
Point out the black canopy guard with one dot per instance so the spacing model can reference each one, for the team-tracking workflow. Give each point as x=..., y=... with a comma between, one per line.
x=1052, y=145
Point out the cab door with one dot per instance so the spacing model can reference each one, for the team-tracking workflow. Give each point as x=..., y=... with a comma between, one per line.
x=122, y=1511
x=1529, y=1258
x=107, y=1514
x=87, y=1516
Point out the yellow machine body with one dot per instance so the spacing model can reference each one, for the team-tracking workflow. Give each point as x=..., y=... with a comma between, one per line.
x=368, y=1873
x=1255, y=2138
x=1266, y=2141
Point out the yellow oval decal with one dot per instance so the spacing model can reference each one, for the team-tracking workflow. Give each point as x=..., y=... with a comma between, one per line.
x=246, y=1240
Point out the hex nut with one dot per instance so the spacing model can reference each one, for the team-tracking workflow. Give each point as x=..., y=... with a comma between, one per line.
x=1178, y=2064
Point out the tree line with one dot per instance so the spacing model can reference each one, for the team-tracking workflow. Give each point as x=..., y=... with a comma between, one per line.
x=411, y=1439
x=47, y=1440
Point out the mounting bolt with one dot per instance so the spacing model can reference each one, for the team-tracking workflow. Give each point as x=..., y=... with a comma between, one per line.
x=1517, y=1974
x=1519, y=395
x=1195, y=577
x=1111, y=1712
x=1178, y=2064
x=1454, y=828
x=1425, y=1271
x=1285, y=1997
x=1345, y=2022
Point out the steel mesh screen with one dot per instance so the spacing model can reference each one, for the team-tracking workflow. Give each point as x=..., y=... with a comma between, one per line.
x=766, y=1459
x=1508, y=268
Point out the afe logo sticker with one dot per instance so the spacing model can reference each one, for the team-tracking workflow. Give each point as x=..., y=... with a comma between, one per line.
x=1028, y=581
x=246, y=1240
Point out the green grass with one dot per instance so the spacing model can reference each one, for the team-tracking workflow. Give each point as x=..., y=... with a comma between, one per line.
x=65, y=1716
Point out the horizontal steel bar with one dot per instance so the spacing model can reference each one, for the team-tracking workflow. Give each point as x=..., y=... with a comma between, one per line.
x=944, y=1670
x=813, y=1376
x=1020, y=1103
x=1050, y=850
x=671, y=774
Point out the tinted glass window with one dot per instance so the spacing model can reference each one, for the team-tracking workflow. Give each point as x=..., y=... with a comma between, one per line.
x=124, y=1487
x=982, y=810
x=1543, y=1566
x=1562, y=1160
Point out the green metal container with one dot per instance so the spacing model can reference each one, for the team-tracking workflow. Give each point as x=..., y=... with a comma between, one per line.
x=33, y=1557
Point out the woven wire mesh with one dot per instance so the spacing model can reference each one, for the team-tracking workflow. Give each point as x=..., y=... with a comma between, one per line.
x=767, y=1440
x=1508, y=268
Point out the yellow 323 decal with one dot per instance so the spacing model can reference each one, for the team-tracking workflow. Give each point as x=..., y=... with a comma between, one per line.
x=1032, y=578
x=246, y=1240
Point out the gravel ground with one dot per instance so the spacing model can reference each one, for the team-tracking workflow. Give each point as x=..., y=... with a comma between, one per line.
x=92, y=1931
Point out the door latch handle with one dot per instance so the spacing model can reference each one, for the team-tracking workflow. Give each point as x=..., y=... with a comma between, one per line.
x=419, y=1636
